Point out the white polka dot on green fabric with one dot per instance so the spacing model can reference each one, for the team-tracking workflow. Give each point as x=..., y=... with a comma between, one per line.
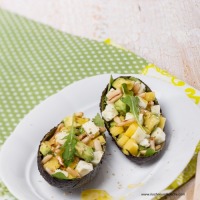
x=38, y=61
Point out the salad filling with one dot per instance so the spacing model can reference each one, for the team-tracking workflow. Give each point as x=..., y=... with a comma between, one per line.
x=75, y=148
x=133, y=117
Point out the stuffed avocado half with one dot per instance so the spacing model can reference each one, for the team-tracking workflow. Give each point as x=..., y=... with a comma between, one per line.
x=133, y=118
x=71, y=153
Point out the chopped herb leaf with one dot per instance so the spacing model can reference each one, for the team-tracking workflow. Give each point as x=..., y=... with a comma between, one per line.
x=59, y=175
x=98, y=120
x=125, y=90
x=110, y=83
x=132, y=102
x=69, y=146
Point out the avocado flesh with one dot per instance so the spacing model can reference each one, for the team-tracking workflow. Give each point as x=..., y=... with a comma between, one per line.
x=120, y=106
x=45, y=148
x=85, y=152
x=118, y=83
x=151, y=121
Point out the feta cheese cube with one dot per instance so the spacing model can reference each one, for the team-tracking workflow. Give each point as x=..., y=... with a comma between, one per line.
x=142, y=102
x=84, y=168
x=60, y=137
x=110, y=112
x=139, y=135
x=97, y=157
x=159, y=135
x=129, y=116
x=90, y=128
x=142, y=88
x=145, y=143
x=155, y=109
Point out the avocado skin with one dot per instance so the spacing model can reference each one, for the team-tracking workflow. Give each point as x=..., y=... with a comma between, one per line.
x=66, y=185
x=138, y=160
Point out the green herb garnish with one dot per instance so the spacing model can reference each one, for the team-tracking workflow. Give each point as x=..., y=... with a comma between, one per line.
x=110, y=83
x=125, y=90
x=59, y=175
x=98, y=120
x=69, y=146
x=132, y=102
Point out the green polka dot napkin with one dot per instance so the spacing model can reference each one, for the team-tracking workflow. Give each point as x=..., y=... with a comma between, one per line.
x=37, y=61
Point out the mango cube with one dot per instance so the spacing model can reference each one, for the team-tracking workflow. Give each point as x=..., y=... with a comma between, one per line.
x=122, y=140
x=131, y=146
x=150, y=96
x=101, y=139
x=116, y=130
x=131, y=129
x=81, y=120
x=162, y=122
x=52, y=164
x=74, y=163
x=91, y=143
x=125, y=152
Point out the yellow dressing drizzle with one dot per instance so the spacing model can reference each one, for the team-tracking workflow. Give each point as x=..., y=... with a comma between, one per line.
x=94, y=194
x=132, y=186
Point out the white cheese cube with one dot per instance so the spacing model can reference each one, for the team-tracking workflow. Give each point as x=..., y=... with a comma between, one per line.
x=142, y=102
x=110, y=112
x=155, y=109
x=90, y=128
x=145, y=143
x=139, y=135
x=60, y=137
x=141, y=120
x=159, y=135
x=97, y=157
x=142, y=88
x=61, y=171
x=84, y=168
x=129, y=116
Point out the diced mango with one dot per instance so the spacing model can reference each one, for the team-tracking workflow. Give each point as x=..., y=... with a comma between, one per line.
x=131, y=129
x=116, y=130
x=125, y=152
x=122, y=140
x=162, y=122
x=74, y=163
x=150, y=96
x=101, y=139
x=91, y=143
x=52, y=164
x=131, y=146
x=81, y=120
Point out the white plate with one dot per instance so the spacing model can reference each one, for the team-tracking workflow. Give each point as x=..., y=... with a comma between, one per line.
x=18, y=166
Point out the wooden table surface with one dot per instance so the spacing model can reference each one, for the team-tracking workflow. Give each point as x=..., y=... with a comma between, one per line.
x=166, y=33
